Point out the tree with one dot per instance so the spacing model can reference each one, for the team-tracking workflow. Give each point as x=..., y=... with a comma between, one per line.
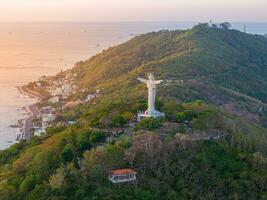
x=107, y=158
x=68, y=153
x=187, y=115
x=105, y=122
x=83, y=142
x=128, y=116
x=97, y=137
x=57, y=180
x=28, y=184
x=20, y=164
x=146, y=151
x=113, y=156
x=171, y=108
x=118, y=120
x=149, y=123
x=40, y=192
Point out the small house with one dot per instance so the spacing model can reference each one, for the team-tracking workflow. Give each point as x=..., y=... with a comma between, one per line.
x=54, y=99
x=90, y=97
x=122, y=175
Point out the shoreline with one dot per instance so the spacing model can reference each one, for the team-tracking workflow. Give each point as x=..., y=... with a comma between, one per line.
x=30, y=93
x=32, y=111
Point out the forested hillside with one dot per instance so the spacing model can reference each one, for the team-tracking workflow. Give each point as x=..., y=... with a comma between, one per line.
x=220, y=66
x=212, y=144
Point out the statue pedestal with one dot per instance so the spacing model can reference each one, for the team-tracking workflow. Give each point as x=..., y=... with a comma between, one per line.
x=154, y=114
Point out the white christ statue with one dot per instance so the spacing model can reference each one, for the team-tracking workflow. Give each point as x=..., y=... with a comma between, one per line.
x=151, y=85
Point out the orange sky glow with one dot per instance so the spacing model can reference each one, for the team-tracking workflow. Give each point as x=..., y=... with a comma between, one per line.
x=132, y=10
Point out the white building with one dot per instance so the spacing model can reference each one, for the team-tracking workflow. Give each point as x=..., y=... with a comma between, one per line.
x=90, y=97
x=46, y=120
x=39, y=84
x=122, y=175
x=66, y=90
x=54, y=99
x=38, y=131
x=71, y=122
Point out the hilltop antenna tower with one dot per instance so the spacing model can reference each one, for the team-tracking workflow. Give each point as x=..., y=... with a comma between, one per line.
x=245, y=28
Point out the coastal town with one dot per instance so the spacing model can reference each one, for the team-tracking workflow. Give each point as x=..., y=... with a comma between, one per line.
x=55, y=94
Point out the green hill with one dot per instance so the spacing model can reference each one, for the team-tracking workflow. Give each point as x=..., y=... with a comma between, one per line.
x=219, y=66
x=220, y=155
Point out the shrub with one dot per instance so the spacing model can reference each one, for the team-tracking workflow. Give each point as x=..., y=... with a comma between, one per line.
x=118, y=121
x=67, y=153
x=128, y=116
x=28, y=184
x=8, y=154
x=187, y=115
x=97, y=136
x=171, y=108
x=149, y=123
x=182, y=129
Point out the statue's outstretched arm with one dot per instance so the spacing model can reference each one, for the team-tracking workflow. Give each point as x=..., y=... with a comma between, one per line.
x=143, y=80
x=158, y=82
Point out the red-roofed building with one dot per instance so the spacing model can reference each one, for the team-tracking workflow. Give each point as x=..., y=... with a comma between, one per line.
x=122, y=175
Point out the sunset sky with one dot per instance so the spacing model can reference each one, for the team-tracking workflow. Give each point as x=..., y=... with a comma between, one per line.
x=133, y=10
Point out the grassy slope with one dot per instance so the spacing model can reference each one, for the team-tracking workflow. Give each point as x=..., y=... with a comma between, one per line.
x=226, y=57
x=207, y=59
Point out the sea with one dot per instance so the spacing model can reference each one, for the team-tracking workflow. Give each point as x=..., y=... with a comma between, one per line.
x=31, y=50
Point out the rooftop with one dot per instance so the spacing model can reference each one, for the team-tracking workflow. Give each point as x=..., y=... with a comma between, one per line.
x=122, y=175
x=123, y=171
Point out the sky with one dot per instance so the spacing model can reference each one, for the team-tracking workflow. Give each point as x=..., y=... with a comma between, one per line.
x=132, y=10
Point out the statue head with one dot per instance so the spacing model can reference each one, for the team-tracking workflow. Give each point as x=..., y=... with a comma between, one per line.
x=151, y=77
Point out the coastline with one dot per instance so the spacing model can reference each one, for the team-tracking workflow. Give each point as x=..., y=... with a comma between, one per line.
x=32, y=111
x=30, y=93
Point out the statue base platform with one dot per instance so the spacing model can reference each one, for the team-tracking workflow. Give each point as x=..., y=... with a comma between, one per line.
x=154, y=114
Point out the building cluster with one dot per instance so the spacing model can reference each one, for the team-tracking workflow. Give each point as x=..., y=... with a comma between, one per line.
x=46, y=116
x=92, y=96
x=62, y=88
x=59, y=91
x=225, y=25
